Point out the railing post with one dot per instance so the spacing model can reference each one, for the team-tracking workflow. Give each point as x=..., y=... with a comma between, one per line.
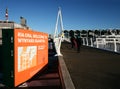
x=115, y=45
x=87, y=41
x=91, y=42
x=83, y=41
x=97, y=43
x=104, y=42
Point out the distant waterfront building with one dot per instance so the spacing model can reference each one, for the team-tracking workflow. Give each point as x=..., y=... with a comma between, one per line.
x=12, y=25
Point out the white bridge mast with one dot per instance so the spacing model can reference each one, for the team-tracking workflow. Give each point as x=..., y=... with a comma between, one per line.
x=58, y=36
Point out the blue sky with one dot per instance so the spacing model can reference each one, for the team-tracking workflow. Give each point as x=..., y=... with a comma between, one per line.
x=77, y=14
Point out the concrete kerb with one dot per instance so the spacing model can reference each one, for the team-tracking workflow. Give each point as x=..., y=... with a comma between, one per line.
x=67, y=82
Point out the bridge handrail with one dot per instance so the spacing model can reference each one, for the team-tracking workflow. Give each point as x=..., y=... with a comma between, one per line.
x=108, y=40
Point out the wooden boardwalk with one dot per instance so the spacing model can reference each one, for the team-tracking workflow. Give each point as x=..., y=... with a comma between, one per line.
x=92, y=68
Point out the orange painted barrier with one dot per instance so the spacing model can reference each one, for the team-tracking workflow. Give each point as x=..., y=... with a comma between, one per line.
x=31, y=53
x=24, y=53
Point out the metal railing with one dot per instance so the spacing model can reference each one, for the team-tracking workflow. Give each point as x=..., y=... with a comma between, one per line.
x=111, y=44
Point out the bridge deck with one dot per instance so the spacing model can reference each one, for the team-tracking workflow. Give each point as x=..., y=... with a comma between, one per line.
x=92, y=68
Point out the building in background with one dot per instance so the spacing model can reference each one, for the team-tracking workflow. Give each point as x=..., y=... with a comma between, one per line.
x=12, y=25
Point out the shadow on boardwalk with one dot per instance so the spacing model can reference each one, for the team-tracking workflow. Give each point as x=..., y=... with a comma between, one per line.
x=92, y=68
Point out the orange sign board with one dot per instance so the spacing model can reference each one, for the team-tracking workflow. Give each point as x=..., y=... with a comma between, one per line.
x=31, y=53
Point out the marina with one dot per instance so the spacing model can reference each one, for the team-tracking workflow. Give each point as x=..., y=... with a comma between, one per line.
x=32, y=59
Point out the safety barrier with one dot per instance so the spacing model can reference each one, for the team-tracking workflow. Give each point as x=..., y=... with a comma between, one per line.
x=112, y=44
x=67, y=82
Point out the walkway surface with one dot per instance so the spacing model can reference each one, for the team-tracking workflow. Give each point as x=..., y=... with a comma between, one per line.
x=92, y=68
